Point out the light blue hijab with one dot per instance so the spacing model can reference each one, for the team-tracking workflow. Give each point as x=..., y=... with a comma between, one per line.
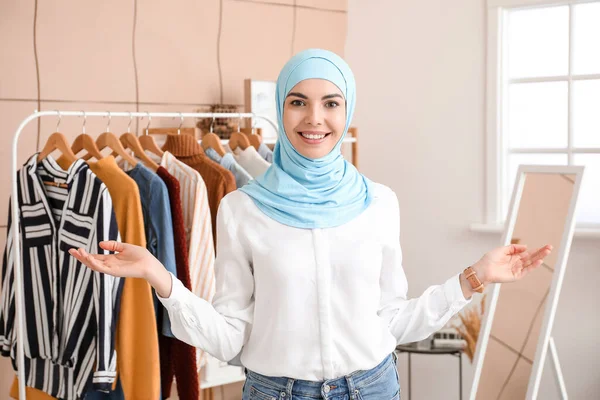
x=304, y=192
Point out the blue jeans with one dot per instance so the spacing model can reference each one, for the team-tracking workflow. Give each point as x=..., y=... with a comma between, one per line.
x=379, y=383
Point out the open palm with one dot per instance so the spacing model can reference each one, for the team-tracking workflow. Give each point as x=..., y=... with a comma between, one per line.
x=130, y=261
x=510, y=263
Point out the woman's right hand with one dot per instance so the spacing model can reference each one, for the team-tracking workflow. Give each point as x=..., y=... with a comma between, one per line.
x=130, y=261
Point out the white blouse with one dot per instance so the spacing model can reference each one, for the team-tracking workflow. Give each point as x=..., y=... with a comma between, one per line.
x=311, y=304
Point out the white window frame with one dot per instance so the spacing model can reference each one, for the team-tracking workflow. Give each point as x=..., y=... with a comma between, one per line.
x=495, y=102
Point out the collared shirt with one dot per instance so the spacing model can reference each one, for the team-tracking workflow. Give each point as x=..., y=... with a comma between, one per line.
x=70, y=310
x=241, y=176
x=311, y=304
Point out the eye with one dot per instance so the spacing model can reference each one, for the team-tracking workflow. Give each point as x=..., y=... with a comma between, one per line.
x=297, y=103
x=332, y=104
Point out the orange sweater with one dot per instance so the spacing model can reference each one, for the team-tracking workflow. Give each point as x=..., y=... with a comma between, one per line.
x=137, y=337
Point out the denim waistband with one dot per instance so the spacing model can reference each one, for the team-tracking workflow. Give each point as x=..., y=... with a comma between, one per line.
x=327, y=388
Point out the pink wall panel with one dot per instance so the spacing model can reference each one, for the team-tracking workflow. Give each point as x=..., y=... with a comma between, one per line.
x=11, y=115
x=17, y=63
x=84, y=50
x=269, y=2
x=324, y=29
x=340, y=5
x=250, y=49
x=176, y=51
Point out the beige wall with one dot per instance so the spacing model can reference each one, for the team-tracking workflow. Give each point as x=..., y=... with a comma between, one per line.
x=420, y=71
x=183, y=54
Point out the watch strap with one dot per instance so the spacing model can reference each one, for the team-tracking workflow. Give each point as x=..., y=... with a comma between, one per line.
x=473, y=280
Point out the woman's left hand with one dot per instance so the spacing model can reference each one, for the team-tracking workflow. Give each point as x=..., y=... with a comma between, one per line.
x=509, y=263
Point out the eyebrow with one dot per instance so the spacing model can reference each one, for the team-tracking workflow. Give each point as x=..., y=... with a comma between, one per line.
x=329, y=96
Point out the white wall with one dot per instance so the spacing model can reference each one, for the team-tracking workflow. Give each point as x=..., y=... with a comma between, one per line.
x=420, y=70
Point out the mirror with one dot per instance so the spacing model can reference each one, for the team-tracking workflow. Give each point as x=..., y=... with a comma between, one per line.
x=516, y=329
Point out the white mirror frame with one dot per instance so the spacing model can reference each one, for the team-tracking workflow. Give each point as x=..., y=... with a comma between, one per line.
x=544, y=340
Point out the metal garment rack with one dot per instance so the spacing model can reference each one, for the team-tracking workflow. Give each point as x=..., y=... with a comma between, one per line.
x=20, y=310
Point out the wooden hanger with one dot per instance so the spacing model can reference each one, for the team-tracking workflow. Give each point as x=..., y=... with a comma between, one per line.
x=108, y=139
x=131, y=142
x=255, y=140
x=211, y=140
x=57, y=141
x=238, y=139
x=147, y=142
x=85, y=142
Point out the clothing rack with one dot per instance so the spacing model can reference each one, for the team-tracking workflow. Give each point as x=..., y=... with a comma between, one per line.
x=20, y=309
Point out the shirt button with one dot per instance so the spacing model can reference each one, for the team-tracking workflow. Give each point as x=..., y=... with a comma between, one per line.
x=326, y=388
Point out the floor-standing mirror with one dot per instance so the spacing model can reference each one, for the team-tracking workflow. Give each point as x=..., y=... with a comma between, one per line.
x=516, y=332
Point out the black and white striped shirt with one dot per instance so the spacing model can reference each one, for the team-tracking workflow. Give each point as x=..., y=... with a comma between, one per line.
x=70, y=310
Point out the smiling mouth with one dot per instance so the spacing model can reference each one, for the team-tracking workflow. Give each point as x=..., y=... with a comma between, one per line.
x=313, y=137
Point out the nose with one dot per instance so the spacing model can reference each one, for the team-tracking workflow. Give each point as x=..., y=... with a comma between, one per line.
x=314, y=116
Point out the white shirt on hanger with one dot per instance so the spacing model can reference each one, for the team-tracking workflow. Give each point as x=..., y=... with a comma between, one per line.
x=251, y=161
x=309, y=304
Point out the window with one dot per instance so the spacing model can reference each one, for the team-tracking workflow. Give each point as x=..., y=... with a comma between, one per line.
x=543, y=97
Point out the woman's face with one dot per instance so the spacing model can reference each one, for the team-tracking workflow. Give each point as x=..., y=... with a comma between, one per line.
x=314, y=117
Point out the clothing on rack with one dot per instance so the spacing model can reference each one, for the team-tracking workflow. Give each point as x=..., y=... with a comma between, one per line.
x=137, y=336
x=198, y=230
x=265, y=152
x=158, y=227
x=181, y=197
x=362, y=257
x=218, y=180
x=241, y=176
x=70, y=310
x=251, y=161
x=176, y=357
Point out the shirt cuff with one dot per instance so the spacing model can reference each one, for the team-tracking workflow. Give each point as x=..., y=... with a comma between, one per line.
x=177, y=291
x=454, y=294
x=103, y=380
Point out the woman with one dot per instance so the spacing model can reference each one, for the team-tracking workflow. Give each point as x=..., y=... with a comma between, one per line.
x=309, y=280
